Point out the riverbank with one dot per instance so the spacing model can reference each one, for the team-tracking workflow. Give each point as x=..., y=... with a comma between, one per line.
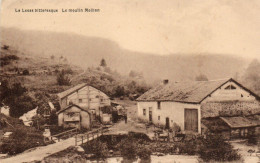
x=134, y=146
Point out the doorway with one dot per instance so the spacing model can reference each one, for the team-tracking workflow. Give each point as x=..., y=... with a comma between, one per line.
x=150, y=116
x=167, y=126
x=191, y=120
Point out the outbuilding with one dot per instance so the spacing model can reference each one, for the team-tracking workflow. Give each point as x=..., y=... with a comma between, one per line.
x=74, y=116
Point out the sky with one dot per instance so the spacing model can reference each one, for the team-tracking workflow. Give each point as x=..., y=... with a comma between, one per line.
x=155, y=26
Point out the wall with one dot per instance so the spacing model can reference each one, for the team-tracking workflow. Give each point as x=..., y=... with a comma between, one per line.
x=85, y=121
x=229, y=108
x=91, y=99
x=229, y=103
x=173, y=110
x=223, y=94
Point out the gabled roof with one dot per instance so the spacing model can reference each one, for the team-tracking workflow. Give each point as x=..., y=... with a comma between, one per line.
x=239, y=122
x=186, y=92
x=70, y=107
x=73, y=89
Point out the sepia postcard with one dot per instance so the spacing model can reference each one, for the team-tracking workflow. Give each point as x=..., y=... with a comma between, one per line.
x=129, y=81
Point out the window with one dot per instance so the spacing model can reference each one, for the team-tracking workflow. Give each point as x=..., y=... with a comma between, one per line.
x=144, y=112
x=159, y=105
x=230, y=87
x=80, y=100
x=158, y=117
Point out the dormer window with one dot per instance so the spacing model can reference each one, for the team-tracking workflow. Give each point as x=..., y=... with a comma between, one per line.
x=230, y=87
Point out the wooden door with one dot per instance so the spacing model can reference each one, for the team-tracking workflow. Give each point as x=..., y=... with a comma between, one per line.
x=167, y=126
x=191, y=120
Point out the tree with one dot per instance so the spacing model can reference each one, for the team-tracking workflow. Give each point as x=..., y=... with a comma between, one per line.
x=103, y=62
x=25, y=72
x=62, y=79
x=16, y=98
x=119, y=91
x=201, y=77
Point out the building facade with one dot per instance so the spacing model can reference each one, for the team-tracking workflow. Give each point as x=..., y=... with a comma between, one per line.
x=86, y=97
x=74, y=117
x=186, y=103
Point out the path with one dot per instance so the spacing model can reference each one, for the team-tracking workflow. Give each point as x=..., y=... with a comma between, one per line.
x=131, y=126
x=39, y=153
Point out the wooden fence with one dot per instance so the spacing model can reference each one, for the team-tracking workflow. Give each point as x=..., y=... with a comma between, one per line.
x=91, y=135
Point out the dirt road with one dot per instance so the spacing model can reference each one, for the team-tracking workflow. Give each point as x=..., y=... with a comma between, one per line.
x=39, y=153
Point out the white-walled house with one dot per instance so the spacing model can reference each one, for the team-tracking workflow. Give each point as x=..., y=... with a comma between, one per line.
x=186, y=103
x=84, y=96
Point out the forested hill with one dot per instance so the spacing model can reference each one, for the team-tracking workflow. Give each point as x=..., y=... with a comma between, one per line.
x=28, y=81
x=88, y=51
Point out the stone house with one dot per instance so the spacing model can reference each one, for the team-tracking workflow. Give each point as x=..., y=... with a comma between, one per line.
x=187, y=103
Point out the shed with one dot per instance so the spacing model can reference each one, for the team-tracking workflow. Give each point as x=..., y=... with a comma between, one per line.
x=74, y=116
x=240, y=127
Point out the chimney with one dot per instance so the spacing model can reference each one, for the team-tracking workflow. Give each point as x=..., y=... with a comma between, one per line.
x=165, y=81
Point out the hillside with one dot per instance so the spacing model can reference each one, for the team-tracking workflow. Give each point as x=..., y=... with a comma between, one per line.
x=32, y=80
x=88, y=51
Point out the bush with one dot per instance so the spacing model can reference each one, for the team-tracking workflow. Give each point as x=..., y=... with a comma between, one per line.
x=128, y=148
x=252, y=140
x=25, y=72
x=5, y=47
x=21, y=140
x=62, y=79
x=215, y=148
x=144, y=153
x=98, y=148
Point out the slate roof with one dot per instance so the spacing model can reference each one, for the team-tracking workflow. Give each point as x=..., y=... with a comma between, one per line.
x=239, y=122
x=71, y=90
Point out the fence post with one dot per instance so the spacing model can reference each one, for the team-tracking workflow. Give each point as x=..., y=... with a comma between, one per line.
x=82, y=139
x=75, y=140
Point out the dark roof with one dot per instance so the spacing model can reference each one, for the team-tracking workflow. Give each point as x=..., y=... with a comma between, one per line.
x=239, y=122
x=187, y=92
x=72, y=106
x=215, y=124
x=190, y=91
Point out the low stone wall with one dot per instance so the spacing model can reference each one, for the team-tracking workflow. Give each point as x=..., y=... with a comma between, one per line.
x=229, y=108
